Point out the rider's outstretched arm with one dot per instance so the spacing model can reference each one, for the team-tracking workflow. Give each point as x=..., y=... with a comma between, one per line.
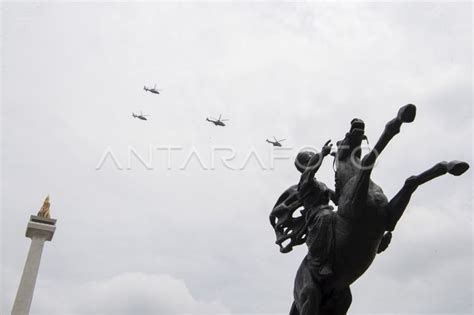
x=314, y=163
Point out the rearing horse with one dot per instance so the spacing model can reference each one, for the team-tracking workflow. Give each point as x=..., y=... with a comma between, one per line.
x=364, y=219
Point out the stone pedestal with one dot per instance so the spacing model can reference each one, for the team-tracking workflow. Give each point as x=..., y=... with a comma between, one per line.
x=39, y=229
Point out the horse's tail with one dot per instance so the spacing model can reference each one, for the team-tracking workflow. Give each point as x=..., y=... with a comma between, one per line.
x=293, y=309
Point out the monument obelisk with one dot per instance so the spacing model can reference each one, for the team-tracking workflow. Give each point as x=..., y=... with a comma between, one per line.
x=40, y=228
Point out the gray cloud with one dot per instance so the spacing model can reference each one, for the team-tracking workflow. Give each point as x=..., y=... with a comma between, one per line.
x=127, y=293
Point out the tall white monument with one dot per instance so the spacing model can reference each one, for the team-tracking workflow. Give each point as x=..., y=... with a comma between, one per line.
x=40, y=228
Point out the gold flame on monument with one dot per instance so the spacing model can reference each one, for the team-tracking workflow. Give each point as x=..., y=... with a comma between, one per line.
x=44, y=211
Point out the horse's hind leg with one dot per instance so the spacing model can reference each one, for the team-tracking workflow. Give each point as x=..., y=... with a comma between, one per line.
x=398, y=204
x=310, y=300
x=406, y=114
x=339, y=303
x=307, y=292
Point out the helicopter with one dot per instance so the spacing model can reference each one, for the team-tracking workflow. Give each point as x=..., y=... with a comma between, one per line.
x=141, y=116
x=217, y=122
x=276, y=143
x=153, y=90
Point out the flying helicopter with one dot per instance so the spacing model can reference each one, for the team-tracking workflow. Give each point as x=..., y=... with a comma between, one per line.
x=217, y=122
x=141, y=116
x=153, y=90
x=276, y=143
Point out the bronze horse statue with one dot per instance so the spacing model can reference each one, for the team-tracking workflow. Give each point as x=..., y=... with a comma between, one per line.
x=342, y=244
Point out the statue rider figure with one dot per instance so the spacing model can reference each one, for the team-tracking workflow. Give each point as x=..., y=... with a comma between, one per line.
x=315, y=197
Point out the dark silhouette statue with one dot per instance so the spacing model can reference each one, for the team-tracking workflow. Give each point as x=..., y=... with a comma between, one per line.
x=342, y=244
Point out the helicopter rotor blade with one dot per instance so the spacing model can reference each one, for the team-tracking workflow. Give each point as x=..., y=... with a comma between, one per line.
x=281, y=140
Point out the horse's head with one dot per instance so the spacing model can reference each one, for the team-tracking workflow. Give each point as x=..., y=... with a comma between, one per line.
x=347, y=155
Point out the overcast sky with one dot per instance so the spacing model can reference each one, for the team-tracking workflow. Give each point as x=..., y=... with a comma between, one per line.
x=162, y=240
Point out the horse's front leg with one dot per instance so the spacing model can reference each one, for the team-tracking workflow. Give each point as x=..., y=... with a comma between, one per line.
x=406, y=114
x=398, y=204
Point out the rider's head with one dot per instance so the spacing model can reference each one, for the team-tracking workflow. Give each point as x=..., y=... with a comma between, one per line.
x=302, y=160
